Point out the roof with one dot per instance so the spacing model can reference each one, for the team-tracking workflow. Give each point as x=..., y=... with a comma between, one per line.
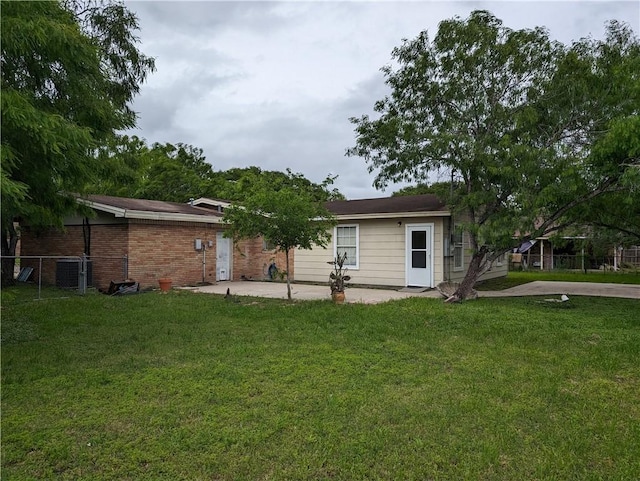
x=151, y=209
x=409, y=206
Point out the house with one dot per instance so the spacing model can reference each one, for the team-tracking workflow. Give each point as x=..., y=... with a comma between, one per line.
x=394, y=241
x=145, y=240
x=572, y=253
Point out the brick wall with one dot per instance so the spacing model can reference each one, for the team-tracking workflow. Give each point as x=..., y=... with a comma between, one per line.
x=154, y=249
x=167, y=250
x=252, y=262
x=107, y=242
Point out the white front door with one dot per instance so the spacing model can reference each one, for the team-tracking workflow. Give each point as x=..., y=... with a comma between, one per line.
x=223, y=251
x=419, y=255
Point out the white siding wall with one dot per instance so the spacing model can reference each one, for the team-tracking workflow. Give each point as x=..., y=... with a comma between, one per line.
x=496, y=270
x=382, y=254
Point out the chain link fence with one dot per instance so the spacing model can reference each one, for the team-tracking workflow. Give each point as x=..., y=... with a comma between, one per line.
x=626, y=261
x=72, y=273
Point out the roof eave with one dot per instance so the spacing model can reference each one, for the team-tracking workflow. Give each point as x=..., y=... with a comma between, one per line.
x=170, y=216
x=109, y=209
x=148, y=215
x=393, y=215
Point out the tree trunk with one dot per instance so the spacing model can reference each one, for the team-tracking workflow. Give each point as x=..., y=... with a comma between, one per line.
x=286, y=253
x=9, y=243
x=476, y=267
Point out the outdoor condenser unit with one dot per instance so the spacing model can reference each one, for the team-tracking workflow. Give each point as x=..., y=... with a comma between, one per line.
x=67, y=273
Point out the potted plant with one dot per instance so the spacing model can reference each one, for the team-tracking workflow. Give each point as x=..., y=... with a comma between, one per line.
x=338, y=278
x=165, y=284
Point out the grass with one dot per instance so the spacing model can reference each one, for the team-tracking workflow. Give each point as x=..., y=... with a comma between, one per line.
x=189, y=386
x=516, y=278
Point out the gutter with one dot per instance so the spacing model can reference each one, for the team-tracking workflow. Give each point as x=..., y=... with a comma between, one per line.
x=393, y=215
x=149, y=215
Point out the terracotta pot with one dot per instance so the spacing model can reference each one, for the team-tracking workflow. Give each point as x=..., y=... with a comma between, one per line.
x=165, y=284
x=338, y=297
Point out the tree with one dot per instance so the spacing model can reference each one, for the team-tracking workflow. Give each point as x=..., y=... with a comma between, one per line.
x=512, y=115
x=440, y=189
x=291, y=217
x=615, y=216
x=233, y=184
x=121, y=162
x=69, y=71
x=174, y=173
x=128, y=167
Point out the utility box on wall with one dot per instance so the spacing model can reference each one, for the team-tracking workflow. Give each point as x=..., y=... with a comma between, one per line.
x=197, y=244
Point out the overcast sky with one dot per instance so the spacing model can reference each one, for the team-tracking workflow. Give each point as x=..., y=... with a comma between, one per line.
x=273, y=84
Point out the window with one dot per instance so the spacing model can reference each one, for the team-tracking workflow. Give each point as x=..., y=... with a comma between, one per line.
x=458, y=252
x=346, y=241
x=267, y=245
x=500, y=259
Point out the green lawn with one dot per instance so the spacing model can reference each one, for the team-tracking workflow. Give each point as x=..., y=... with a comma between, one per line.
x=193, y=387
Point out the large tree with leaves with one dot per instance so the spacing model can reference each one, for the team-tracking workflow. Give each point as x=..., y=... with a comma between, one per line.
x=235, y=183
x=512, y=115
x=290, y=217
x=69, y=72
x=614, y=216
x=128, y=167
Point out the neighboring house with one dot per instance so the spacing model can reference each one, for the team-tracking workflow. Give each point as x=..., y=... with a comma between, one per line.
x=394, y=241
x=571, y=253
x=145, y=240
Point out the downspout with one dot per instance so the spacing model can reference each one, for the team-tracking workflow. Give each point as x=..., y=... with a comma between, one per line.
x=204, y=261
x=86, y=234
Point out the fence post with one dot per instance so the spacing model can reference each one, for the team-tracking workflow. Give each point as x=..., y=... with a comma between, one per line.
x=125, y=267
x=39, y=278
x=82, y=277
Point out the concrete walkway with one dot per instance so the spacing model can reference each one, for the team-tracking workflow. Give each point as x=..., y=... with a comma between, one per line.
x=546, y=288
x=372, y=296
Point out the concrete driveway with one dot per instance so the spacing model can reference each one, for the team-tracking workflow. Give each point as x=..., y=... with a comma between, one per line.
x=278, y=290
x=547, y=288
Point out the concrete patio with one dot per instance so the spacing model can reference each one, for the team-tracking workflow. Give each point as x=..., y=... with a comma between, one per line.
x=278, y=290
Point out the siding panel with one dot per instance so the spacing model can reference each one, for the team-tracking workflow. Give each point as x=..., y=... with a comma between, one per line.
x=382, y=254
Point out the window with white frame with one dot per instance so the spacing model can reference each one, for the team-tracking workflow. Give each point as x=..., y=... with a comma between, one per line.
x=346, y=241
x=458, y=251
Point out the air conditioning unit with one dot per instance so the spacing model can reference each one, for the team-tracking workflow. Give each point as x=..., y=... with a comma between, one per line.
x=68, y=272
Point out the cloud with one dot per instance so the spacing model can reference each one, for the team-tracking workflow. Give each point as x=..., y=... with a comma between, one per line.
x=274, y=84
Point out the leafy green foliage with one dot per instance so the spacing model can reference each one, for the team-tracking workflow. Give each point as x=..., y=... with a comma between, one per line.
x=512, y=114
x=67, y=79
x=442, y=190
x=186, y=386
x=234, y=184
x=130, y=168
x=615, y=215
x=291, y=217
